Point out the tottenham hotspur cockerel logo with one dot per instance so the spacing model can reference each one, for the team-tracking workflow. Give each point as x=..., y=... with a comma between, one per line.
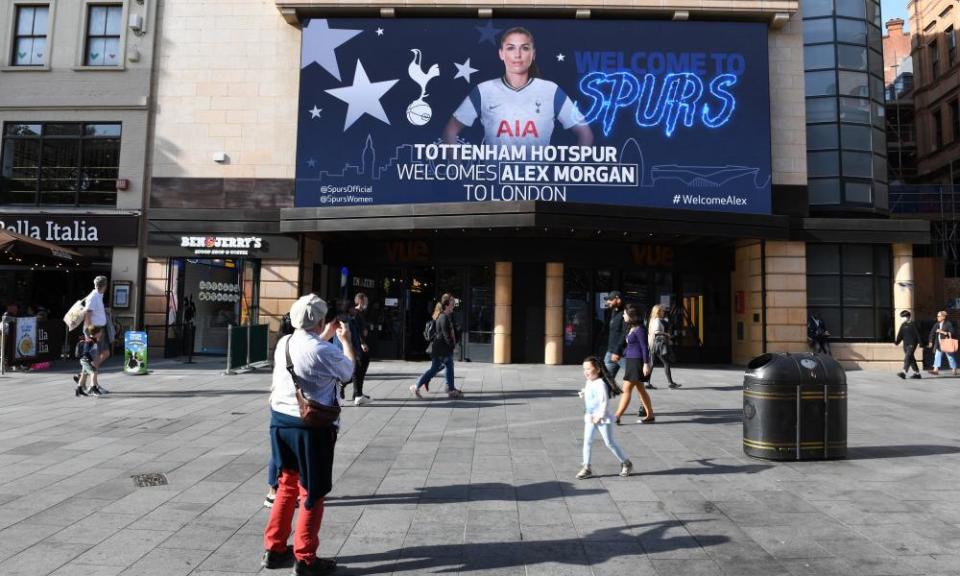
x=419, y=112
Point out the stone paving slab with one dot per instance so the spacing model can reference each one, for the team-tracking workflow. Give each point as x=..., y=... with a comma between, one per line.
x=482, y=486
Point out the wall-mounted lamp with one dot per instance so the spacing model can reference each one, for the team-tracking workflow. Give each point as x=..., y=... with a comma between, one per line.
x=135, y=23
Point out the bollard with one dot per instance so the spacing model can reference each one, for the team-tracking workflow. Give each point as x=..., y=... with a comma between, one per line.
x=4, y=326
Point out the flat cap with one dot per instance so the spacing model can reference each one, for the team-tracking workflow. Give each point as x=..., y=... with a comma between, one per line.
x=307, y=312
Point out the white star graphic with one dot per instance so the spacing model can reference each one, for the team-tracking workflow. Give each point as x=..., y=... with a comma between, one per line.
x=464, y=70
x=315, y=113
x=311, y=163
x=379, y=31
x=561, y=57
x=363, y=97
x=319, y=45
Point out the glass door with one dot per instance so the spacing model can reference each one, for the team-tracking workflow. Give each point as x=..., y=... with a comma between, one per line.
x=579, y=330
x=385, y=315
x=478, y=342
x=419, y=300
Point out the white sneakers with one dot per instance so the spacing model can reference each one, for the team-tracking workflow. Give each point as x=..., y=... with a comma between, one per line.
x=361, y=400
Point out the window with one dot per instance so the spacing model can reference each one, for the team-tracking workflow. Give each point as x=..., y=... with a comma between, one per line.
x=852, y=9
x=849, y=286
x=818, y=57
x=30, y=36
x=937, y=130
x=814, y=8
x=851, y=31
x=104, y=24
x=60, y=164
x=954, y=107
x=823, y=164
x=821, y=83
x=951, y=37
x=934, y=52
x=815, y=31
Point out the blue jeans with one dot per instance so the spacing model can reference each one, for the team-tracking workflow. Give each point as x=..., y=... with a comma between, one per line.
x=938, y=358
x=606, y=431
x=611, y=366
x=436, y=364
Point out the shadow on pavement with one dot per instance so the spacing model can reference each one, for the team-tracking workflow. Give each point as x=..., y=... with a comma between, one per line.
x=590, y=549
x=706, y=467
x=706, y=416
x=188, y=393
x=480, y=492
x=899, y=451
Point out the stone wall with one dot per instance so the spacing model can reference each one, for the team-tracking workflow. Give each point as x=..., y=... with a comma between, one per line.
x=279, y=289
x=155, y=304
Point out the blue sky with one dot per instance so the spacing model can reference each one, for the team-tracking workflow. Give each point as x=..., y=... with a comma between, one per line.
x=894, y=9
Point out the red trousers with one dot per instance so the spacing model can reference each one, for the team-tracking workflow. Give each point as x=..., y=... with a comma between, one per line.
x=306, y=538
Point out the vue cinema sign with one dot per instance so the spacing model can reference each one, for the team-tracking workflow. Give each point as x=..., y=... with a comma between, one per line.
x=74, y=230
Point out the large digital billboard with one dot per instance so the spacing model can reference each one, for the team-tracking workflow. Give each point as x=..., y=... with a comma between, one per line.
x=628, y=113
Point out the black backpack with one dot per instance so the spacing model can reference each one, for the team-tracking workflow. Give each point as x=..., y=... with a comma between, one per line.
x=286, y=327
x=430, y=331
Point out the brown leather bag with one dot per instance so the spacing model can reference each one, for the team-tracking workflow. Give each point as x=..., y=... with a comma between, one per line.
x=313, y=414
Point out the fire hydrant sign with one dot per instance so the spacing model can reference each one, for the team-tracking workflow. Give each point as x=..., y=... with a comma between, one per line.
x=135, y=352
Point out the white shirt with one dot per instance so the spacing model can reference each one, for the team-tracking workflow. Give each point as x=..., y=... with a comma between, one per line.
x=319, y=365
x=518, y=116
x=595, y=402
x=98, y=317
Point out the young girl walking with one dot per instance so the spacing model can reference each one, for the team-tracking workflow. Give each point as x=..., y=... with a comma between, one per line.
x=596, y=395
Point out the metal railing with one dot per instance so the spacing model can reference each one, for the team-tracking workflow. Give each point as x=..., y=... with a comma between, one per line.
x=940, y=200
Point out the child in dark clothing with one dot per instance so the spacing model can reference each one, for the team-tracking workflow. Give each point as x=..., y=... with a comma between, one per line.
x=88, y=352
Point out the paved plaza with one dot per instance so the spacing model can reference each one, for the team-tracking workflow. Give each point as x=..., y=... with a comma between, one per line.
x=483, y=485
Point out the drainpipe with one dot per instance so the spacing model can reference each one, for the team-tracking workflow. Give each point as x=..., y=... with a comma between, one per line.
x=763, y=293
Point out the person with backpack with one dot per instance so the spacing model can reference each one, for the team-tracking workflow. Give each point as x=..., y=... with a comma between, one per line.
x=599, y=389
x=442, y=340
x=87, y=351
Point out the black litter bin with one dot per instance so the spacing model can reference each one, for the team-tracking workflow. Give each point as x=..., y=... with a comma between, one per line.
x=795, y=407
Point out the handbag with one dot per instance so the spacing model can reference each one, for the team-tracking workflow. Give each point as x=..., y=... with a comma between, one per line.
x=74, y=316
x=948, y=345
x=313, y=414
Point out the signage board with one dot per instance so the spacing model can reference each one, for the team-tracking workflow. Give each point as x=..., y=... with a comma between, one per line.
x=35, y=340
x=71, y=230
x=25, y=342
x=222, y=245
x=622, y=112
x=135, y=352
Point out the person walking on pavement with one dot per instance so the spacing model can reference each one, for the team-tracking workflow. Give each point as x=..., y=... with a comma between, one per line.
x=817, y=334
x=637, y=366
x=942, y=330
x=441, y=349
x=659, y=343
x=88, y=351
x=96, y=316
x=910, y=337
x=305, y=453
x=362, y=364
x=616, y=335
x=597, y=393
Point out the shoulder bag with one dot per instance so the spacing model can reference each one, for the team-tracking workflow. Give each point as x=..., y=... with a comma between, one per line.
x=313, y=414
x=74, y=316
x=948, y=344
